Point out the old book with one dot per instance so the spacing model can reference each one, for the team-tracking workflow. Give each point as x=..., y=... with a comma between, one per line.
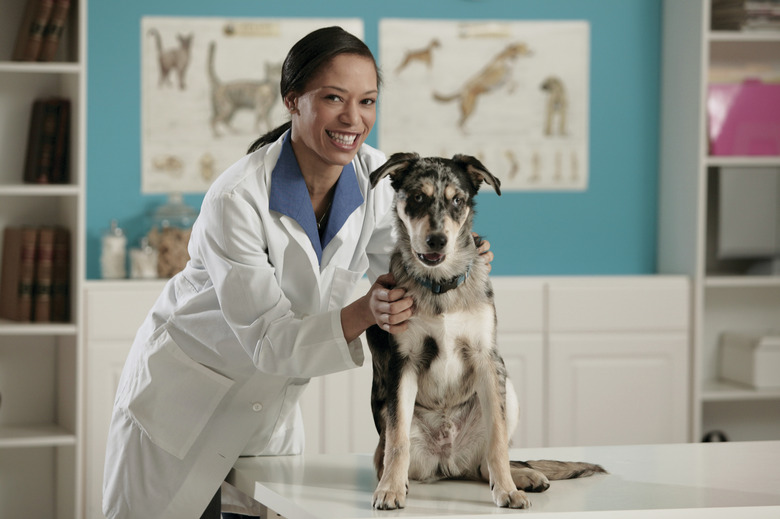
x=34, y=141
x=52, y=34
x=43, y=137
x=60, y=165
x=17, y=273
x=29, y=38
x=42, y=286
x=60, y=279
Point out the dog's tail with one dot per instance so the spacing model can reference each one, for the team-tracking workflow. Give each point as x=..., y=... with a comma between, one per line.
x=557, y=470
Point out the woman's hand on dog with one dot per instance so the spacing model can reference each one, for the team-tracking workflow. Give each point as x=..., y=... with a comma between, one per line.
x=387, y=307
x=483, y=247
x=390, y=306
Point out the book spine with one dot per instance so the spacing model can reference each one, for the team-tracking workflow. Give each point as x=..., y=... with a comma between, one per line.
x=42, y=164
x=52, y=35
x=44, y=261
x=61, y=151
x=23, y=33
x=34, y=29
x=60, y=279
x=34, y=141
x=10, y=272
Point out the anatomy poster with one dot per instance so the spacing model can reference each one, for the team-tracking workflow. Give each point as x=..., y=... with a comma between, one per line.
x=512, y=93
x=210, y=87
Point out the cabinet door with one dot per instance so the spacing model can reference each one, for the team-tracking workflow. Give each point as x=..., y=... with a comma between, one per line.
x=113, y=313
x=105, y=360
x=337, y=415
x=613, y=389
x=523, y=358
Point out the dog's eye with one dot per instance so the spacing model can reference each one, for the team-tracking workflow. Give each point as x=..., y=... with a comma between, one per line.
x=457, y=201
x=419, y=197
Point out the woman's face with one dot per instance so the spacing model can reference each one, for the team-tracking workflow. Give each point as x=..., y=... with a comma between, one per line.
x=333, y=117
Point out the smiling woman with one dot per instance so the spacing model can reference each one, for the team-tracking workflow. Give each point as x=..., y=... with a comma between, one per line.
x=282, y=238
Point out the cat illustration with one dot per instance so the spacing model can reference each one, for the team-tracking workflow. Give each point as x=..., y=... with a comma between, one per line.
x=175, y=59
x=258, y=95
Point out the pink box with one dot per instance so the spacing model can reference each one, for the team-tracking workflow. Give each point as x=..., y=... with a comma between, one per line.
x=744, y=118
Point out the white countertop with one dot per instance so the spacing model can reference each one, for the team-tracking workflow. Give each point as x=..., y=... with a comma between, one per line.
x=714, y=480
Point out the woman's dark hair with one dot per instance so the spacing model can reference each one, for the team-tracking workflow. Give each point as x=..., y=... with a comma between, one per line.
x=304, y=61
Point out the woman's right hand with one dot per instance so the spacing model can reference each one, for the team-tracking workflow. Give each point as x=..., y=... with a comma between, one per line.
x=390, y=306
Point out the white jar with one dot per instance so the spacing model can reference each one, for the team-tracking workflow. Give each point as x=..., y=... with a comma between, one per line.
x=113, y=253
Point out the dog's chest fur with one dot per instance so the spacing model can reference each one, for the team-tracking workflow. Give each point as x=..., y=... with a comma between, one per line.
x=443, y=350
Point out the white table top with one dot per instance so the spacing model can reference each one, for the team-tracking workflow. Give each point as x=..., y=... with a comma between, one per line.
x=716, y=480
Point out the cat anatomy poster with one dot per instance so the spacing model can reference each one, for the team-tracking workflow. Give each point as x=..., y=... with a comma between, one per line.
x=512, y=93
x=209, y=88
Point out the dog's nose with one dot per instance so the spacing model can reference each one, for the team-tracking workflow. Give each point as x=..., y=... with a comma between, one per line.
x=436, y=242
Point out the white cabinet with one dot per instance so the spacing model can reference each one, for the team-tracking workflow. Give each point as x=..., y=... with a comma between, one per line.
x=113, y=311
x=521, y=311
x=40, y=364
x=725, y=297
x=594, y=361
x=618, y=361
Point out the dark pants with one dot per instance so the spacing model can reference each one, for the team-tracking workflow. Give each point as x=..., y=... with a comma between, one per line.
x=213, y=510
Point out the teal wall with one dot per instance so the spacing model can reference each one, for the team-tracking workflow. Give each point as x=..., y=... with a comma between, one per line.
x=608, y=229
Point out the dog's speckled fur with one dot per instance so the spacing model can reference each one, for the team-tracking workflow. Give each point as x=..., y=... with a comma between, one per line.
x=441, y=399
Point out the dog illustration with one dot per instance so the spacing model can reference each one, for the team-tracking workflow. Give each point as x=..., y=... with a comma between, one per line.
x=441, y=399
x=491, y=77
x=557, y=105
x=174, y=59
x=423, y=55
x=227, y=98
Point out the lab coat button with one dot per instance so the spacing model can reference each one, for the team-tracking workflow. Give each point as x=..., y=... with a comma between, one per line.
x=257, y=407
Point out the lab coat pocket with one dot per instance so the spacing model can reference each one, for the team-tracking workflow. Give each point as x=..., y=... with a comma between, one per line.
x=344, y=282
x=174, y=396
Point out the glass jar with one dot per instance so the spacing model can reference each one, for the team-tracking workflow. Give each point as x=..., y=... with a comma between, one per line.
x=170, y=235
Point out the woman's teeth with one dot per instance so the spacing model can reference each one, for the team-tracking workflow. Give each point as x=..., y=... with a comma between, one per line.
x=347, y=139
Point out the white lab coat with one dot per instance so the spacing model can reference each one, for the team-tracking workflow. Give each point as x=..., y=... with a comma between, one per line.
x=218, y=366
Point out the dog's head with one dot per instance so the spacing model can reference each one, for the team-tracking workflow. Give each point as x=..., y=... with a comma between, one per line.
x=435, y=201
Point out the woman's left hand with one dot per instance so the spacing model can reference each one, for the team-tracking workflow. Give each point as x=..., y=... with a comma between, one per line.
x=483, y=247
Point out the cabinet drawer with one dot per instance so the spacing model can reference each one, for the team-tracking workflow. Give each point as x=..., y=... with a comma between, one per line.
x=619, y=304
x=116, y=310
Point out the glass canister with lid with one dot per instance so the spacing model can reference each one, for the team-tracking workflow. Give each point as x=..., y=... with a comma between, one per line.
x=170, y=234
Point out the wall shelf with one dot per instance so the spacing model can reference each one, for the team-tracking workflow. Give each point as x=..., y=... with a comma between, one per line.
x=41, y=363
x=48, y=435
x=722, y=391
x=724, y=299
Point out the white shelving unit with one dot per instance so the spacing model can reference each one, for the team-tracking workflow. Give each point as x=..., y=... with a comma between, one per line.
x=724, y=298
x=41, y=419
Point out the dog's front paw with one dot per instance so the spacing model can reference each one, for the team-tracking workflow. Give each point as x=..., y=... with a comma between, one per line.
x=390, y=498
x=511, y=498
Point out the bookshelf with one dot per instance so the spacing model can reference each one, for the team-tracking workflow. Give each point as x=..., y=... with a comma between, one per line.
x=41, y=436
x=724, y=297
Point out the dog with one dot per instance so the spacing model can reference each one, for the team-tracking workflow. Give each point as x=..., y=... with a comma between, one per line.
x=494, y=75
x=441, y=400
x=424, y=55
x=557, y=105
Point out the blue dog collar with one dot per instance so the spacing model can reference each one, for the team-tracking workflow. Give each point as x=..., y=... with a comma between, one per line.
x=445, y=286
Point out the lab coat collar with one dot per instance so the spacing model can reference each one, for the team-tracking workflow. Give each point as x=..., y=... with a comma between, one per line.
x=290, y=197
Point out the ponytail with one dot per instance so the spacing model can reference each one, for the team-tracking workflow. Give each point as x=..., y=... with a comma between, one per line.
x=269, y=137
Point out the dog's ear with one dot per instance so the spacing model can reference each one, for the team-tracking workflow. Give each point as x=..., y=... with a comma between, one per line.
x=397, y=163
x=477, y=171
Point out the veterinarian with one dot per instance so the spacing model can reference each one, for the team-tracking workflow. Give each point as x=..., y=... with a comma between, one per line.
x=219, y=364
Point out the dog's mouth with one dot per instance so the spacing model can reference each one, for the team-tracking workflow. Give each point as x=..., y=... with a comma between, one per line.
x=431, y=259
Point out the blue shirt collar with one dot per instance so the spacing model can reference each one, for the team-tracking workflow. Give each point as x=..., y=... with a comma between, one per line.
x=289, y=196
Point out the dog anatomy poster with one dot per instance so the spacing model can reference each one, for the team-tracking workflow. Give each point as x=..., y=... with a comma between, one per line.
x=512, y=93
x=209, y=88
